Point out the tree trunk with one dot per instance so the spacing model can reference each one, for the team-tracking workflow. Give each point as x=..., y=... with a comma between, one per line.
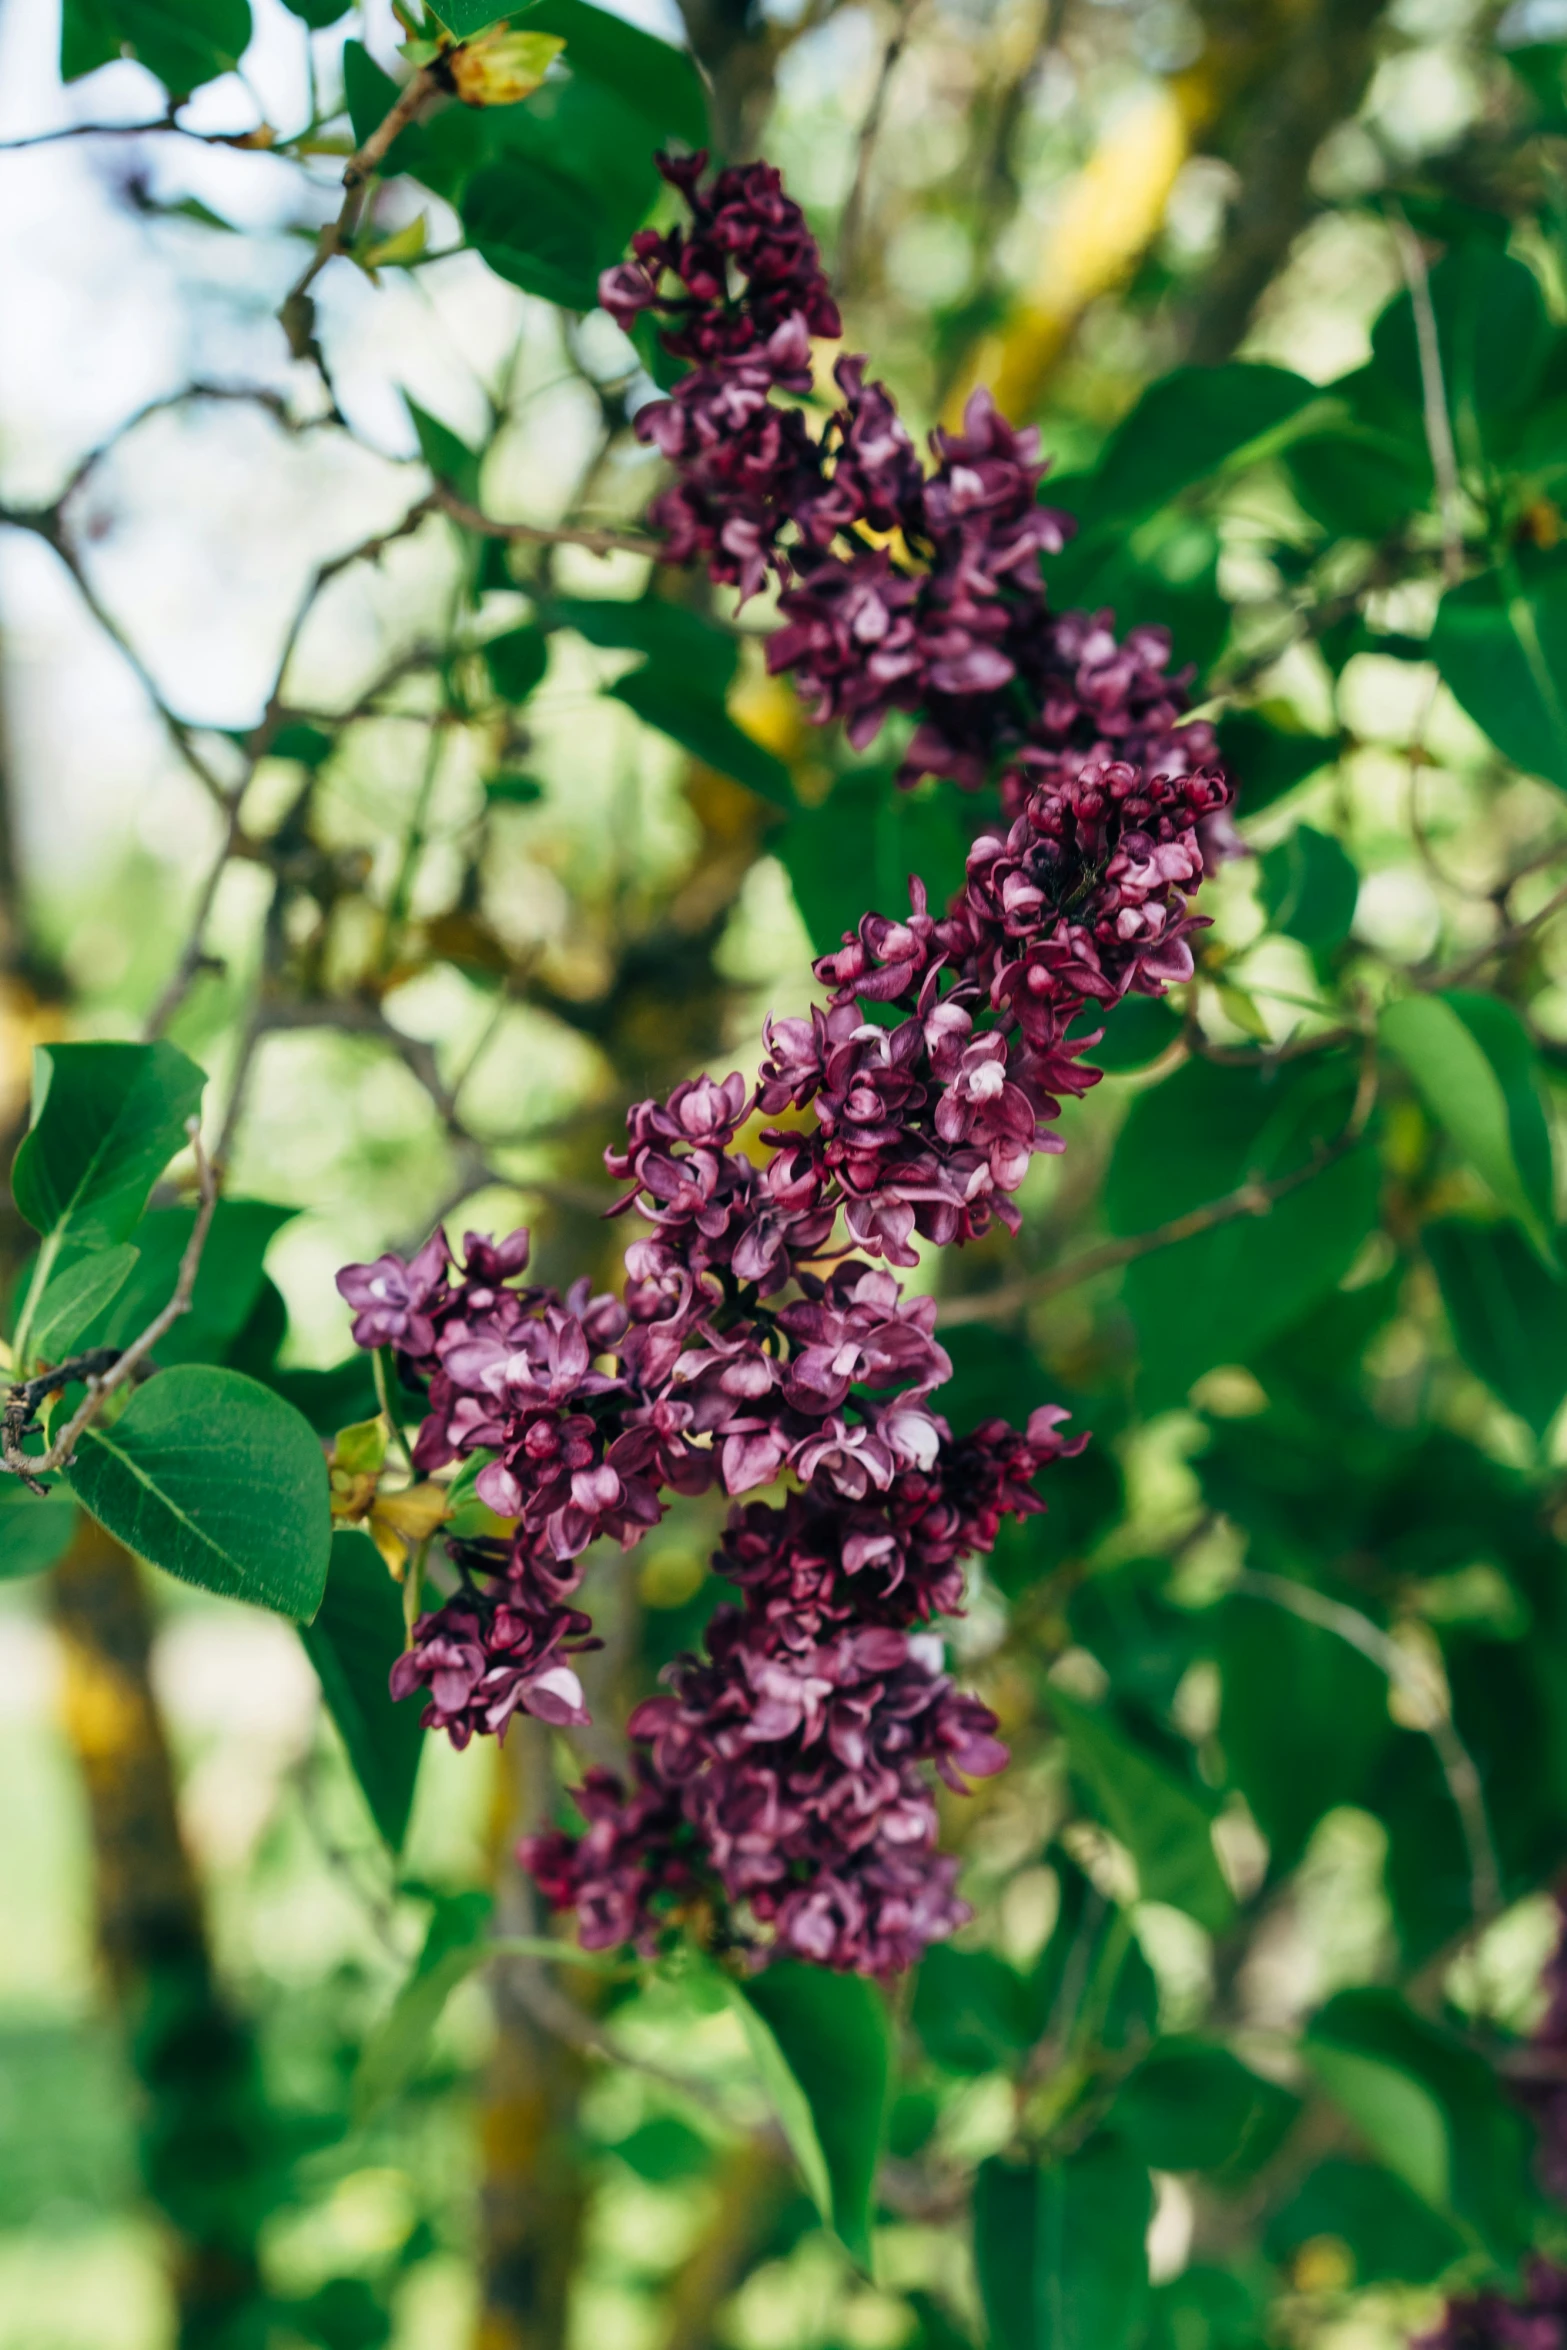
x=202, y=2114
x=1309, y=69
x=534, y=2192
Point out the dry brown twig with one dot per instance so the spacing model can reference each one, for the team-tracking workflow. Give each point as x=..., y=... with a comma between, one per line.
x=127, y=1363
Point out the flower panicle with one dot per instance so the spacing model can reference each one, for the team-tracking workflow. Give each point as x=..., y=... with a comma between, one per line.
x=782, y=1785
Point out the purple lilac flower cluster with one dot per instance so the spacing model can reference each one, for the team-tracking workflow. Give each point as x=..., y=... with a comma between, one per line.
x=1545, y=2094
x=1534, y=2319
x=784, y=1783
x=901, y=589
x=787, y=1770
x=796, y=1756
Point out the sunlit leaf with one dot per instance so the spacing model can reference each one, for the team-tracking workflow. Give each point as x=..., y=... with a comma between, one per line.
x=1163, y=1825
x=823, y=2043
x=1509, y=1315
x=1473, y=1064
x=1060, y=2250
x=1500, y=641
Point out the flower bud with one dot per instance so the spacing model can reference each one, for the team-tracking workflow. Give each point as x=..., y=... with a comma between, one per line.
x=500, y=67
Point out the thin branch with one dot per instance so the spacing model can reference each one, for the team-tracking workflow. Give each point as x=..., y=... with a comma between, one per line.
x=854, y=209
x=1433, y=396
x=45, y=523
x=338, y=235
x=193, y=959
x=1503, y=942
x=16, y=1421
x=1457, y=1763
x=597, y=542
x=1252, y=1198
x=260, y=140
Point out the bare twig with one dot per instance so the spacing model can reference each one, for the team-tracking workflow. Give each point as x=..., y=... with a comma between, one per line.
x=16, y=1420
x=1504, y=940
x=1252, y=1198
x=192, y=956
x=854, y=209
x=1433, y=396
x=260, y=140
x=597, y=542
x=1457, y=1763
x=338, y=235
x=46, y=523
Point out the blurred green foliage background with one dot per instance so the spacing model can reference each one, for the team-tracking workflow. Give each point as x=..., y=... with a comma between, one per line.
x=435, y=853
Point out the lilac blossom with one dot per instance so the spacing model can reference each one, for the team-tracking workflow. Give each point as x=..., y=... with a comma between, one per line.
x=782, y=1789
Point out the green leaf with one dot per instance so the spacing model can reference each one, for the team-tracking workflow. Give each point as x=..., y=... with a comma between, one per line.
x=77, y=1291
x=1473, y=1065
x=1387, y=2230
x=1509, y=1316
x=1193, y=2106
x=569, y=173
x=1309, y=889
x=370, y=96
x=183, y=42
x=824, y=2045
x=1164, y=573
x=1268, y=759
x=1430, y=2108
x=517, y=662
x=1493, y=335
x=1398, y=2117
x=1060, y=2250
x=971, y=2009
x=35, y=1529
x=856, y=852
x=1500, y=642
x=355, y=1640
x=455, y=1944
x=658, y=80
x=318, y=14
x=537, y=228
x=1206, y=2308
x=467, y=17
x=1294, y=1762
x=1185, y=427
x=1163, y=1825
x=89, y=37
x=513, y=791
x=1136, y=1031
x=447, y=455
x=1222, y=1294
x=676, y=638
x=1360, y=483
x=107, y=1118
x=701, y=725
x=227, y=1288
x=218, y=1481
x=329, y=1399
x=308, y=744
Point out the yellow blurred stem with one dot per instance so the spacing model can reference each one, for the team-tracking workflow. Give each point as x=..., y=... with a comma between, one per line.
x=534, y=2189
x=1109, y=215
